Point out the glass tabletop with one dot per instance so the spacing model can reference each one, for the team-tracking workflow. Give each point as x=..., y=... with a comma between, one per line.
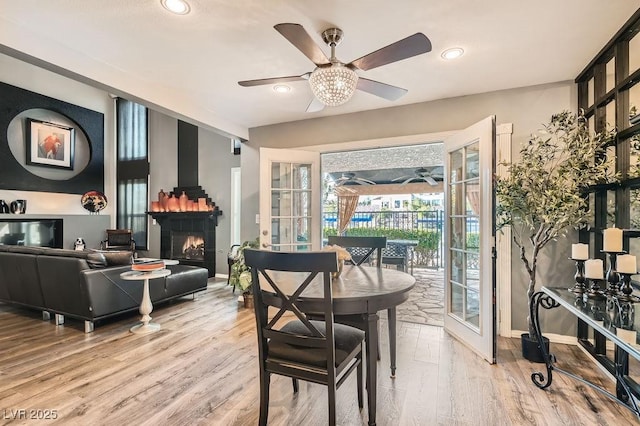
x=608, y=315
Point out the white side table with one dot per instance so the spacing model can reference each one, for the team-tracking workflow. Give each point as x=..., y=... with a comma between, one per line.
x=145, y=305
x=167, y=262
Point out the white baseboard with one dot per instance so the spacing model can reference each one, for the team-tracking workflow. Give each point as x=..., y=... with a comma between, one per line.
x=553, y=338
x=225, y=276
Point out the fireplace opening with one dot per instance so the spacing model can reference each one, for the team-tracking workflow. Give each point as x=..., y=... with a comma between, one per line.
x=187, y=245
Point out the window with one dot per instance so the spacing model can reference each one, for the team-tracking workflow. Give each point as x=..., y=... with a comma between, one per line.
x=132, y=170
x=396, y=204
x=609, y=94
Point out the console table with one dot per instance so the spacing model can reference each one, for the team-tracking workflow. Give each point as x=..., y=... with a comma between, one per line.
x=611, y=320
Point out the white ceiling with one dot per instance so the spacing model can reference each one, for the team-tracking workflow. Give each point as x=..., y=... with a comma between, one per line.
x=191, y=64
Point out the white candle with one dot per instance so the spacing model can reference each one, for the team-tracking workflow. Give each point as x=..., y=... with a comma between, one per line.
x=579, y=251
x=612, y=240
x=593, y=268
x=626, y=264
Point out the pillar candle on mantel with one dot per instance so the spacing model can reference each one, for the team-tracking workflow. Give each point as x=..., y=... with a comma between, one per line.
x=626, y=264
x=593, y=269
x=579, y=251
x=612, y=240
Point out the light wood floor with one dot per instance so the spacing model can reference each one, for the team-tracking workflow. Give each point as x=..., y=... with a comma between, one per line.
x=200, y=369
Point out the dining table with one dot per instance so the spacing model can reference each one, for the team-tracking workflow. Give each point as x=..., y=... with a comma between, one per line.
x=358, y=290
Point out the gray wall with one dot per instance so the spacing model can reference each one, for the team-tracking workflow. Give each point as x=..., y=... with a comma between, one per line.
x=214, y=175
x=163, y=169
x=527, y=108
x=77, y=220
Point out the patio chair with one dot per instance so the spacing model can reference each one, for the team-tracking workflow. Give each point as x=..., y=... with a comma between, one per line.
x=398, y=255
x=315, y=351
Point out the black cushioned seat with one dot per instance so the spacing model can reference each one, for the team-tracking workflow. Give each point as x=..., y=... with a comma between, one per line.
x=347, y=339
x=316, y=351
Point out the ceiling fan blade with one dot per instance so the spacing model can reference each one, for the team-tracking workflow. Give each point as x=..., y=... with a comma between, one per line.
x=406, y=181
x=386, y=91
x=315, y=105
x=297, y=36
x=431, y=181
x=401, y=49
x=263, y=81
x=363, y=181
x=399, y=178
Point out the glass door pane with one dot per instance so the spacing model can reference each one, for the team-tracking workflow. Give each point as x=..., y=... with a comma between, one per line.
x=469, y=283
x=463, y=222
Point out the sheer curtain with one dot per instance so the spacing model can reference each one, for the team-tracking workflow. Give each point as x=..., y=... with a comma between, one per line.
x=347, y=204
x=132, y=170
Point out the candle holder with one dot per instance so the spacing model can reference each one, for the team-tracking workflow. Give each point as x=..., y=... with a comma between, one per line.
x=612, y=277
x=624, y=293
x=626, y=316
x=579, y=288
x=595, y=292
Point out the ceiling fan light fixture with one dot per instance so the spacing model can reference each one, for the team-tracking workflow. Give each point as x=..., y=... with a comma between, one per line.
x=179, y=7
x=453, y=53
x=333, y=85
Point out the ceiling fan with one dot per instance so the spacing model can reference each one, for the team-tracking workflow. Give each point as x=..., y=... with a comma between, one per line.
x=348, y=177
x=333, y=82
x=422, y=174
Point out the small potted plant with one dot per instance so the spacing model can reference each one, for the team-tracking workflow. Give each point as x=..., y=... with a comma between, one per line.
x=543, y=194
x=240, y=277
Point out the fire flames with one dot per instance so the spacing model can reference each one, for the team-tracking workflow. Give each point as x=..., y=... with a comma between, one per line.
x=193, y=247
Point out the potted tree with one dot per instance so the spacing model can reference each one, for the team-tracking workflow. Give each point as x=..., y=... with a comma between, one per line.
x=543, y=194
x=240, y=277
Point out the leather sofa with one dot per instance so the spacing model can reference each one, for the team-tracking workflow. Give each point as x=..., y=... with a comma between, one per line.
x=81, y=285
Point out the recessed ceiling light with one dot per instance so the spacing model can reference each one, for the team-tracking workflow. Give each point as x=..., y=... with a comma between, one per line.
x=179, y=7
x=453, y=53
x=282, y=88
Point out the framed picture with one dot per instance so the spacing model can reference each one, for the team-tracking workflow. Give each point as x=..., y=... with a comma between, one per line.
x=49, y=144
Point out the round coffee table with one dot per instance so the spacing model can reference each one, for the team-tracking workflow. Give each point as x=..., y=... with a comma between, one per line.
x=145, y=304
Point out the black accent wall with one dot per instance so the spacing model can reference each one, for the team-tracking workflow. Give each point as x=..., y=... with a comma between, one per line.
x=13, y=101
x=187, y=154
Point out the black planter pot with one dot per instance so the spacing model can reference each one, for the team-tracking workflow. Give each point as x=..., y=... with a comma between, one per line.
x=531, y=348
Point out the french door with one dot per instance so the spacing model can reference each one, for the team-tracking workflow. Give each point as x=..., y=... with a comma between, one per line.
x=290, y=200
x=469, y=237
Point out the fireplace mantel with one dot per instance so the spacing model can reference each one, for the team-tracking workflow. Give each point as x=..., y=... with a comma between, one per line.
x=163, y=216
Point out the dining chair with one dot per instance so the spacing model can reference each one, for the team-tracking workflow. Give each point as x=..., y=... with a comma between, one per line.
x=371, y=245
x=321, y=352
x=361, y=248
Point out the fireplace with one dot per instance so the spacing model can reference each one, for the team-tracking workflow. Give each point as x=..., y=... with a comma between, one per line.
x=189, y=236
x=187, y=245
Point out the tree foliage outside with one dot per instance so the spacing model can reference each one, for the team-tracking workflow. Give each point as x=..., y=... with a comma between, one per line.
x=543, y=194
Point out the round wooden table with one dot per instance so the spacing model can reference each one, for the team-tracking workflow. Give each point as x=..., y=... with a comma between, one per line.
x=359, y=290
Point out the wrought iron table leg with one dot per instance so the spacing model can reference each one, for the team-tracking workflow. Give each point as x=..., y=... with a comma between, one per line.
x=542, y=299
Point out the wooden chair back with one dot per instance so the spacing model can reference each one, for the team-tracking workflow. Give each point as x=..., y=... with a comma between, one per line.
x=368, y=246
x=262, y=263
